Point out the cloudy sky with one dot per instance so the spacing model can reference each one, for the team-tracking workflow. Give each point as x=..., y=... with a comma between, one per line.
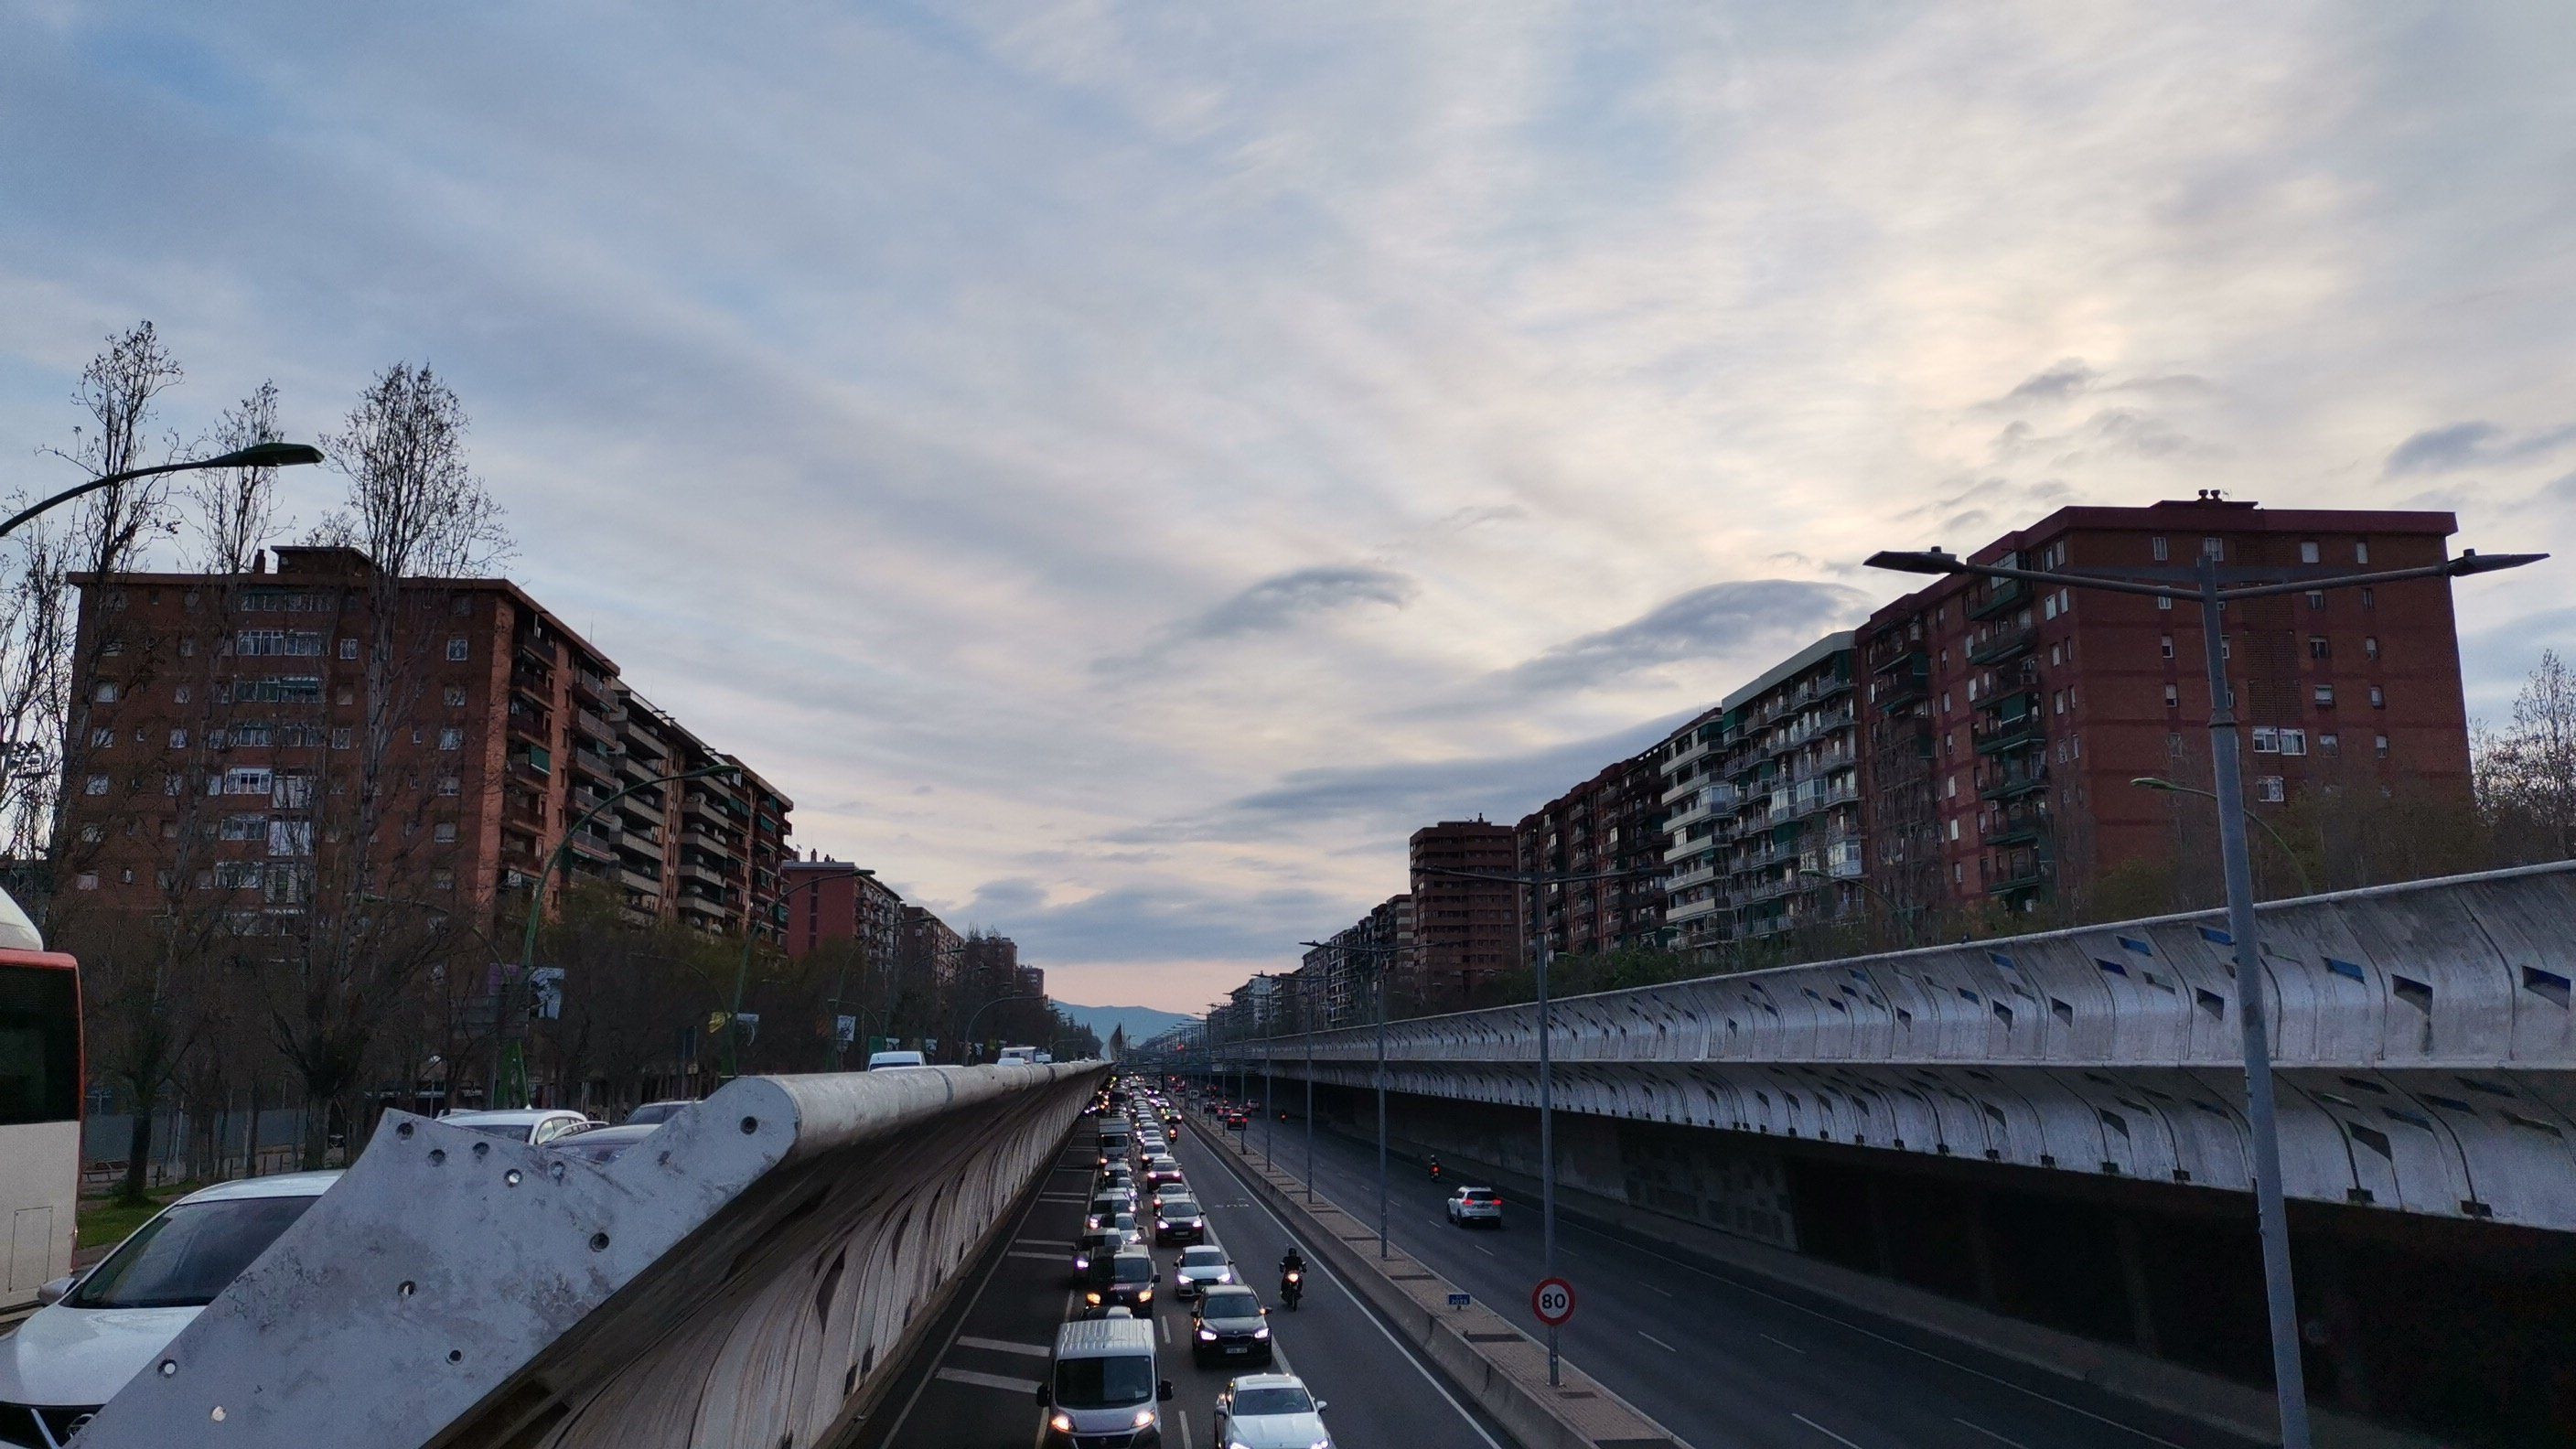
x=1120, y=466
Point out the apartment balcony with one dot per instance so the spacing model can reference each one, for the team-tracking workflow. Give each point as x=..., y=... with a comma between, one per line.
x=2020, y=880
x=592, y=725
x=1907, y=660
x=2020, y=825
x=2004, y=736
x=2010, y=701
x=594, y=689
x=643, y=805
x=2009, y=642
x=711, y=842
x=1700, y=874
x=1684, y=912
x=2006, y=596
x=2012, y=782
x=589, y=846
x=529, y=726
x=691, y=870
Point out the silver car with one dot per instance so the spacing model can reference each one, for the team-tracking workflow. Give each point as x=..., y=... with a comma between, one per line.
x=1199, y=1268
x=1271, y=1411
x=1472, y=1205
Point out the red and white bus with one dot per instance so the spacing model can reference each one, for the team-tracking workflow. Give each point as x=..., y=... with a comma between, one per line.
x=40, y=1106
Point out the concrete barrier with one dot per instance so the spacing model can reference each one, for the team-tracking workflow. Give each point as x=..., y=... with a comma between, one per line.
x=1501, y=1367
x=742, y=1277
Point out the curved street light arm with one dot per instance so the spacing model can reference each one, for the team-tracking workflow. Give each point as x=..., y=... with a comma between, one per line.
x=259, y=455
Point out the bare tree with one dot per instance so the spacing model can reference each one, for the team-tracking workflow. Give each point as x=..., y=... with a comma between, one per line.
x=2527, y=774
x=233, y=513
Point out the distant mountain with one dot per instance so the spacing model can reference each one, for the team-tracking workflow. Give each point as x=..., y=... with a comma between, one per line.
x=1142, y=1022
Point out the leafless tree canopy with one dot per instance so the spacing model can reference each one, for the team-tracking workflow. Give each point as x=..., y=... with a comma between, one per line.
x=233, y=512
x=414, y=506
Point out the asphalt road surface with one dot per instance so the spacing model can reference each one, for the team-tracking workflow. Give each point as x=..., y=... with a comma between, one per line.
x=978, y=1387
x=1726, y=1362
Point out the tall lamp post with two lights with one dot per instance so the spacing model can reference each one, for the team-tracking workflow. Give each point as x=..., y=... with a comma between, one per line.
x=2212, y=586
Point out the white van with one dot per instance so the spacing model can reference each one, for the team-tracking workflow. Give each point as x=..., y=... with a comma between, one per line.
x=879, y=1061
x=1102, y=1387
x=1017, y=1054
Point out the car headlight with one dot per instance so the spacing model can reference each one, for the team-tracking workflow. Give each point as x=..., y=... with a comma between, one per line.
x=1321, y=1444
x=1225, y=1275
x=1207, y=1335
x=1144, y=1294
x=1144, y=1417
x=1081, y=1263
x=1061, y=1423
x=1094, y=1297
x=1261, y=1332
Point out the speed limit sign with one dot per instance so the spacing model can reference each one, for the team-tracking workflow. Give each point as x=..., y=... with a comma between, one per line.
x=1553, y=1301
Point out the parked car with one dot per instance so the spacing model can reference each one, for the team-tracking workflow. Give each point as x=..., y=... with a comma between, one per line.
x=99, y=1329
x=604, y=1144
x=1270, y=1411
x=535, y=1126
x=1198, y=1268
x=1230, y=1326
x=1472, y=1205
x=654, y=1113
x=880, y=1061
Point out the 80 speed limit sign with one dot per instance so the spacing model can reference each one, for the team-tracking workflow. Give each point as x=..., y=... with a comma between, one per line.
x=1553, y=1301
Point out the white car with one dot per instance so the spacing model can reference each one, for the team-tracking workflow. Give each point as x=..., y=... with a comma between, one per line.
x=100, y=1328
x=535, y=1126
x=1270, y=1411
x=881, y=1061
x=1476, y=1205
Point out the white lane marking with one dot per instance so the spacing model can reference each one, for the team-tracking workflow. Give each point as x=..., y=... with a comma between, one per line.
x=1989, y=1433
x=1054, y=1257
x=1003, y=1345
x=895, y=1433
x=1399, y=1344
x=1784, y=1343
x=1022, y=1387
x=1821, y=1429
x=1667, y=1292
x=1183, y=1415
x=1884, y=1338
x=1165, y=1320
x=1065, y=1243
x=1481, y=1248
x=1657, y=1342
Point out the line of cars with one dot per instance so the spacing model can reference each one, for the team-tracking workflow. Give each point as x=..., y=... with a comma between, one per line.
x=1102, y=1386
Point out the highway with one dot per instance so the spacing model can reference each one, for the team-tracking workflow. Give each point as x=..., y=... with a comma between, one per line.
x=1724, y=1362
x=977, y=1386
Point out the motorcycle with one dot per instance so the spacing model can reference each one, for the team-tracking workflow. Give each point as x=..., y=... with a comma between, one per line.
x=1435, y=1172
x=1292, y=1286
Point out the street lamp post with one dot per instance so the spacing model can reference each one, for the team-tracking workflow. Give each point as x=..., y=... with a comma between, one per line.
x=2208, y=584
x=742, y=974
x=978, y=1013
x=258, y=455
x=1535, y=882
x=1381, y=952
x=562, y=855
x=2307, y=884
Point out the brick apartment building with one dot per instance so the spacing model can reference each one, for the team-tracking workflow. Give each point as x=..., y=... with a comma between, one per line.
x=1466, y=932
x=1611, y=823
x=831, y=900
x=218, y=751
x=1337, y=981
x=2004, y=722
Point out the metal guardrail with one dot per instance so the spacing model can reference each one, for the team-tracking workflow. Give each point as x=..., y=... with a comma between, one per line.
x=2422, y=1032
x=738, y=1278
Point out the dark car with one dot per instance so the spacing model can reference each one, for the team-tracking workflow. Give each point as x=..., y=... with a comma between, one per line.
x=652, y=1112
x=1161, y=1169
x=1236, y=1121
x=1123, y=1280
x=1102, y=1243
x=1229, y=1326
x=1178, y=1220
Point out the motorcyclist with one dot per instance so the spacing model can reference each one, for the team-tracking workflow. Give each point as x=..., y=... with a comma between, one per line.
x=1435, y=1167
x=1292, y=1276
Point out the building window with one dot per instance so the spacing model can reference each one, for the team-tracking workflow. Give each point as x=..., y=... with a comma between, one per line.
x=2361, y=551
x=2325, y=696
x=2268, y=790
x=94, y=785
x=446, y=832
x=2369, y=598
x=180, y=694
x=2379, y=743
x=451, y=738
x=245, y=827
x=461, y=606
x=106, y=692
x=100, y=739
x=290, y=837
x=2164, y=602
x=2318, y=648
x=294, y=792
x=248, y=780
x=2162, y=552
x=2370, y=647
x=340, y=736
x=447, y=785
x=178, y=739
x=2378, y=698
x=1954, y=827
x=2329, y=743
x=2214, y=548
x=2267, y=740
x=456, y=648
x=2226, y=647
x=2307, y=553
x=455, y=696
x=2048, y=606
x=2173, y=696
x=2316, y=600
x=348, y=648
x=236, y=875
x=87, y=880
x=2165, y=645
x=442, y=880
x=2294, y=742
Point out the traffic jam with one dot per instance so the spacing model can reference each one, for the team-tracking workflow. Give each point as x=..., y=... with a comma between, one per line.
x=1147, y=1249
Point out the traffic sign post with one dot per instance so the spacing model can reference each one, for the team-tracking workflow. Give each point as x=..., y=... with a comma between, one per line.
x=1553, y=1302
